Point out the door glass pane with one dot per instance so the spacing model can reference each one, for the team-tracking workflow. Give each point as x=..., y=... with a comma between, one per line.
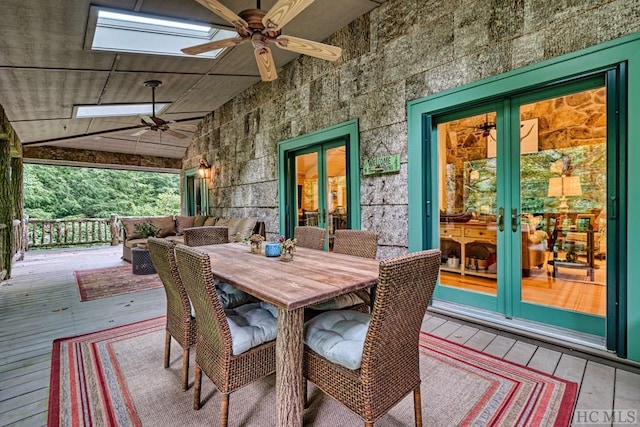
x=307, y=188
x=563, y=201
x=336, y=190
x=467, y=203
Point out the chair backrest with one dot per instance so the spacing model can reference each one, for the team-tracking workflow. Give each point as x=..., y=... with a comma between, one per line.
x=214, y=337
x=206, y=235
x=405, y=286
x=310, y=237
x=178, y=306
x=362, y=243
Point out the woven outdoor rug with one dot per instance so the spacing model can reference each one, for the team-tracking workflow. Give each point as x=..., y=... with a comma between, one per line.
x=115, y=377
x=107, y=282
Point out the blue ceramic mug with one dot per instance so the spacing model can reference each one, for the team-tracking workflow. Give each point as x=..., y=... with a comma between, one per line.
x=272, y=249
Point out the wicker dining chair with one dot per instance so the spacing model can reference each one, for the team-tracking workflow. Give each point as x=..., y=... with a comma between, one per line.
x=181, y=325
x=309, y=237
x=206, y=235
x=214, y=344
x=361, y=243
x=390, y=366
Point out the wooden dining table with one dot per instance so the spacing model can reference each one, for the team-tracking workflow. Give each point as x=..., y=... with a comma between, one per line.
x=313, y=276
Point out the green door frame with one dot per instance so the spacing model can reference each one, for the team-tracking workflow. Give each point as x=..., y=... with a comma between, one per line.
x=623, y=55
x=347, y=132
x=189, y=195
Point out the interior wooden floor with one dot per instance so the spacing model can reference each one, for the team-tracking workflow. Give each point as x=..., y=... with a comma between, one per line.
x=40, y=303
x=570, y=290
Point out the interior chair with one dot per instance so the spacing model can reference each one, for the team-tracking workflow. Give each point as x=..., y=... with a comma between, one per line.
x=309, y=237
x=206, y=235
x=181, y=325
x=234, y=347
x=361, y=243
x=534, y=248
x=377, y=363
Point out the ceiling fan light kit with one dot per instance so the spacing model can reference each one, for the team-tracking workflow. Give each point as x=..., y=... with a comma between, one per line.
x=263, y=29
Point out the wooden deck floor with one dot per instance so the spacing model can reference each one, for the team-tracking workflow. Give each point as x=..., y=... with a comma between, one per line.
x=40, y=303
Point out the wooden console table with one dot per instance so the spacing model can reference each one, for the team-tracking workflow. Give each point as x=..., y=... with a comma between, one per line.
x=466, y=233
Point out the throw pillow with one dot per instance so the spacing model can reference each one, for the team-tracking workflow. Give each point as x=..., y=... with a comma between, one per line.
x=145, y=229
x=129, y=226
x=199, y=220
x=223, y=222
x=245, y=228
x=210, y=221
x=166, y=226
x=233, y=225
x=184, y=222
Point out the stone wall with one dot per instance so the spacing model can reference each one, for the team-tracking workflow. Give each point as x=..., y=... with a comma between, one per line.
x=400, y=51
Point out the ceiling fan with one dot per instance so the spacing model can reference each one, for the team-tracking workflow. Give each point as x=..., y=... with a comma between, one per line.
x=156, y=123
x=486, y=126
x=262, y=29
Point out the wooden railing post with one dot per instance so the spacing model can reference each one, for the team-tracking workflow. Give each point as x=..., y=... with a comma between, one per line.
x=25, y=233
x=115, y=234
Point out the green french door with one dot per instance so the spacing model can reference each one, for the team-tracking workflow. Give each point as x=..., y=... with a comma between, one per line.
x=319, y=191
x=196, y=194
x=522, y=189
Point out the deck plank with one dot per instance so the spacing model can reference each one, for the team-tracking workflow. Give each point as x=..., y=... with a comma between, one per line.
x=520, y=353
x=545, y=360
x=500, y=346
x=596, y=390
x=627, y=392
x=480, y=340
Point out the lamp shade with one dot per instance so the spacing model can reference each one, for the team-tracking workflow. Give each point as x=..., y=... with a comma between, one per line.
x=565, y=186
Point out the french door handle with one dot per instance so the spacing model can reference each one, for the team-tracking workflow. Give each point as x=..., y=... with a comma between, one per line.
x=514, y=219
x=501, y=219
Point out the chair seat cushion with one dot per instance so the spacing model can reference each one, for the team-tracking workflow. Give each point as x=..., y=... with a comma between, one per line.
x=343, y=301
x=338, y=336
x=230, y=296
x=251, y=325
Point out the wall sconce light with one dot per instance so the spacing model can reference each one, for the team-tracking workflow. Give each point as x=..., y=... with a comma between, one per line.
x=204, y=171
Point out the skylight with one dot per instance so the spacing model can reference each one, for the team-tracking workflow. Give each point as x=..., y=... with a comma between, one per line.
x=120, y=31
x=115, y=110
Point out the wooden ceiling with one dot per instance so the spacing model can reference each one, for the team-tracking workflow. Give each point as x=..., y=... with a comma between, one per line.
x=45, y=70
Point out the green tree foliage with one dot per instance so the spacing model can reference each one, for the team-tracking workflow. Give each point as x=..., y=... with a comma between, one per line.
x=71, y=192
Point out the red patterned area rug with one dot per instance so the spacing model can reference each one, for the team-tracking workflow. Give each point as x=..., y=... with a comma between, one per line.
x=115, y=377
x=107, y=282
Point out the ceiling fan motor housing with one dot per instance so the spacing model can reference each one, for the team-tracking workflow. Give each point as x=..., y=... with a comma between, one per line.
x=253, y=17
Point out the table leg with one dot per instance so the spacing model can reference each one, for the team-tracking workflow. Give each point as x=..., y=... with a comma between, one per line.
x=289, y=377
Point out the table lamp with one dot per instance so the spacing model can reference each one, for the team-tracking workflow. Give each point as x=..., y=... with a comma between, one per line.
x=564, y=186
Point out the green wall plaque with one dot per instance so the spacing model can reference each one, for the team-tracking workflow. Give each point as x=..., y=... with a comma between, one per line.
x=383, y=164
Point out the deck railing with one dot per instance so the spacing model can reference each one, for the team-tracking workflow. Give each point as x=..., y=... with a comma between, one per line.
x=3, y=231
x=43, y=233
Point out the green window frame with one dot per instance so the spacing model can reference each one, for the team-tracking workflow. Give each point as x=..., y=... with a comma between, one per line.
x=347, y=132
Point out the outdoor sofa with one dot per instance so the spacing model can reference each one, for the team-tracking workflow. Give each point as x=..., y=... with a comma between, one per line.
x=172, y=228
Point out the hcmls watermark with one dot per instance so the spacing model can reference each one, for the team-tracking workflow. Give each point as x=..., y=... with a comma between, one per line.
x=606, y=416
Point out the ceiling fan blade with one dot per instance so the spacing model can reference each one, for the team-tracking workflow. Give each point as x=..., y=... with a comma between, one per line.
x=224, y=12
x=184, y=127
x=282, y=12
x=147, y=120
x=266, y=66
x=175, y=134
x=218, y=44
x=140, y=132
x=308, y=47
